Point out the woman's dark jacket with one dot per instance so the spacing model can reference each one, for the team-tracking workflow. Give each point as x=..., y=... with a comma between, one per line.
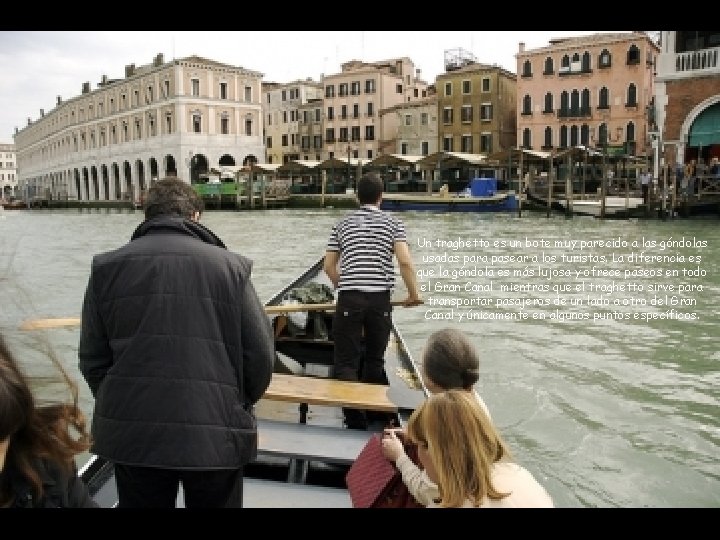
x=61, y=489
x=176, y=348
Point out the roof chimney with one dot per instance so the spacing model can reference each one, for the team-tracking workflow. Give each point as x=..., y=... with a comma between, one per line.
x=522, y=47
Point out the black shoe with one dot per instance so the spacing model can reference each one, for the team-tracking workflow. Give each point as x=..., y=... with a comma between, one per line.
x=384, y=419
x=362, y=426
x=355, y=419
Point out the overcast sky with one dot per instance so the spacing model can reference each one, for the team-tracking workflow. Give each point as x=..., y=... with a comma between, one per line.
x=39, y=66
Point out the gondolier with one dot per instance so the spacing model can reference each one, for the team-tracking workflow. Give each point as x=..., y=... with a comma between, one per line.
x=359, y=262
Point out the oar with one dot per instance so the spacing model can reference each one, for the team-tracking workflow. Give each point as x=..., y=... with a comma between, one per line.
x=290, y=308
x=41, y=324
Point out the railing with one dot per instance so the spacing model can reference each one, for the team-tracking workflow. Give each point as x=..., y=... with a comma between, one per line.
x=697, y=60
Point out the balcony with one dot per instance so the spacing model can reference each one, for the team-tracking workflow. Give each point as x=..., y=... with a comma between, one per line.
x=575, y=112
x=697, y=60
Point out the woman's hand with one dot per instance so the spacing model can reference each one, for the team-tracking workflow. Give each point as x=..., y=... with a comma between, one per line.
x=392, y=445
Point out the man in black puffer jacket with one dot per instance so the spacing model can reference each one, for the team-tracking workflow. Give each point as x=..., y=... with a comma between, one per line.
x=176, y=348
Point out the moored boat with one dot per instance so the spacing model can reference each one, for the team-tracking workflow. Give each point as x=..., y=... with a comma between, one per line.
x=304, y=450
x=615, y=206
x=497, y=202
x=593, y=207
x=15, y=204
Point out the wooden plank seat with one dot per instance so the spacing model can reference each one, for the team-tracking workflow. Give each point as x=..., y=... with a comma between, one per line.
x=329, y=392
x=309, y=442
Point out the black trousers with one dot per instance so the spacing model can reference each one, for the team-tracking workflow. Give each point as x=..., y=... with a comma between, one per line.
x=361, y=318
x=150, y=487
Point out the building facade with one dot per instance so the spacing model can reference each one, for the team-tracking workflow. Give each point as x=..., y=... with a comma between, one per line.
x=8, y=172
x=283, y=113
x=591, y=90
x=687, y=96
x=310, y=129
x=353, y=99
x=476, y=106
x=417, y=123
x=184, y=117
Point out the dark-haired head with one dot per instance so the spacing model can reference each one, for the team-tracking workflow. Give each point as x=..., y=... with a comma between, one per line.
x=172, y=196
x=369, y=188
x=450, y=361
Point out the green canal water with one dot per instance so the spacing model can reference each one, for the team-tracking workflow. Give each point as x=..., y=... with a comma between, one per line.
x=599, y=363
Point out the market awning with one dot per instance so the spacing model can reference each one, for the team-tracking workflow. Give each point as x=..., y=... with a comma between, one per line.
x=395, y=160
x=299, y=166
x=453, y=159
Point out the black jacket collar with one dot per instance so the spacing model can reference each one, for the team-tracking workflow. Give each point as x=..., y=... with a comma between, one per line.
x=164, y=224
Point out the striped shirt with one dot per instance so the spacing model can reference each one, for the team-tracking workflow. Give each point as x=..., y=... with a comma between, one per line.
x=365, y=239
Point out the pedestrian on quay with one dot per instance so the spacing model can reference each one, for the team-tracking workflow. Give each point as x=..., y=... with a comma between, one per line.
x=38, y=443
x=449, y=362
x=359, y=263
x=645, y=184
x=465, y=455
x=689, y=177
x=176, y=348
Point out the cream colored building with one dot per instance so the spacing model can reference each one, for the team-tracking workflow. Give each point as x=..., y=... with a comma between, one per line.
x=8, y=171
x=283, y=115
x=182, y=117
x=353, y=100
x=589, y=90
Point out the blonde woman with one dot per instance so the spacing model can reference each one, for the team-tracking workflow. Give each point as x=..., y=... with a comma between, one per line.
x=449, y=361
x=463, y=453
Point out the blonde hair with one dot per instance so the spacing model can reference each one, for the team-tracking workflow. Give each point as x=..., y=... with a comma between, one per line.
x=462, y=444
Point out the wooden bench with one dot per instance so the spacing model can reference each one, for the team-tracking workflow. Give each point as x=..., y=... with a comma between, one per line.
x=329, y=392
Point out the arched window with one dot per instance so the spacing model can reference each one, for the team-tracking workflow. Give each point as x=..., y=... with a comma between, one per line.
x=630, y=132
x=548, y=103
x=604, y=100
x=575, y=103
x=527, y=69
x=605, y=59
x=632, y=95
x=585, y=135
x=564, y=103
x=565, y=62
x=585, y=102
x=586, y=62
x=603, y=134
x=526, y=138
x=633, y=55
x=527, y=105
x=549, y=68
x=548, y=137
x=563, y=136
